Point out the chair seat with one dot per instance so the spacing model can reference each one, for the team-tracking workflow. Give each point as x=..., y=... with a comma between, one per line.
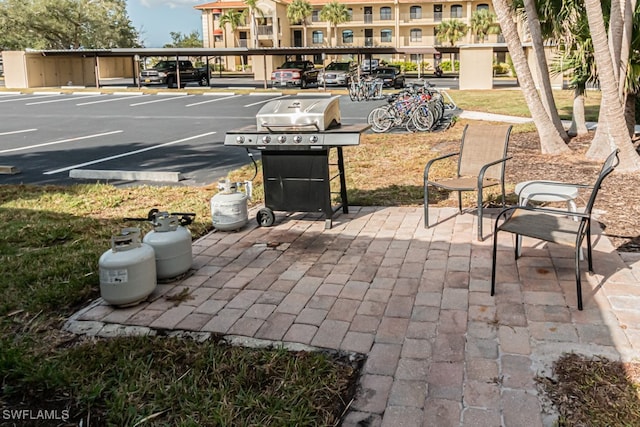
x=544, y=226
x=463, y=183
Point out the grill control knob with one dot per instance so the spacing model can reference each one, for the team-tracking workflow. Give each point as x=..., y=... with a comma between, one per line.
x=240, y=139
x=297, y=139
x=313, y=139
x=266, y=139
x=282, y=139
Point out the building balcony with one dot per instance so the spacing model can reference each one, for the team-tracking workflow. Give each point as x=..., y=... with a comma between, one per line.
x=242, y=43
x=265, y=30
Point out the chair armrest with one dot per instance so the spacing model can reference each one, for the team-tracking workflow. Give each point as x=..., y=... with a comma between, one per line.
x=488, y=165
x=551, y=211
x=432, y=161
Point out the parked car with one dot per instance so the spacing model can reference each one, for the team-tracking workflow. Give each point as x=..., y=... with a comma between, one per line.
x=164, y=72
x=391, y=76
x=295, y=73
x=336, y=73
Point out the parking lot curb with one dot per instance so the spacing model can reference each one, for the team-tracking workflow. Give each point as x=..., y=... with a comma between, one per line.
x=125, y=175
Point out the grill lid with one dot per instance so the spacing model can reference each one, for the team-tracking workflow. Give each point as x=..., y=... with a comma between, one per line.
x=299, y=115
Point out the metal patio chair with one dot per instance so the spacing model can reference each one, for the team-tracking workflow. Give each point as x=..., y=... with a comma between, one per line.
x=553, y=225
x=481, y=160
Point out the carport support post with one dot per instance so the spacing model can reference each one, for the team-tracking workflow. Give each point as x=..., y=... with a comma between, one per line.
x=96, y=67
x=264, y=65
x=206, y=70
x=135, y=63
x=178, y=70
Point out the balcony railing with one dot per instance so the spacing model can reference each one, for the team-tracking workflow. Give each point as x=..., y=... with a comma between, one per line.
x=265, y=30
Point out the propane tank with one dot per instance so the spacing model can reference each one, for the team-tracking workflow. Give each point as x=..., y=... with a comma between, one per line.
x=171, y=243
x=229, y=206
x=127, y=270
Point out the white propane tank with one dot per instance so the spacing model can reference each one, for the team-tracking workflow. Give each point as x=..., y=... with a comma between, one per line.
x=127, y=270
x=172, y=245
x=229, y=206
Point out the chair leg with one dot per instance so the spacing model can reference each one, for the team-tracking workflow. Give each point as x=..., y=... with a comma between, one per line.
x=589, y=247
x=426, y=205
x=518, y=248
x=578, y=282
x=460, y=201
x=480, y=236
x=493, y=261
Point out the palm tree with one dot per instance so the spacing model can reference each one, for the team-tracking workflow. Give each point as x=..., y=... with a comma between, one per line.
x=612, y=104
x=546, y=93
x=551, y=141
x=234, y=19
x=451, y=31
x=253, y=10
x=298, y=12
x=335, y=13
x=483, y=23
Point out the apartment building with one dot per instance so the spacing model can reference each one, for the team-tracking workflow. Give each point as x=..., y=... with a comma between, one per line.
x=387, y=23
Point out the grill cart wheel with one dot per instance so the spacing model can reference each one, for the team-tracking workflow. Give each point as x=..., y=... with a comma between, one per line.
x=265, y=217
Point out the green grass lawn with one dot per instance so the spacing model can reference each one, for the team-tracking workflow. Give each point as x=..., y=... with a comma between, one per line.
x=50, y=243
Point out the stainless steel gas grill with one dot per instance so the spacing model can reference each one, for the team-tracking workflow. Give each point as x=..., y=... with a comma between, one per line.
x=295, y=137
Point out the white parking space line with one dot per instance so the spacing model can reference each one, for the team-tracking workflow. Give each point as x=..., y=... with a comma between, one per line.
x=129, y=153
x=75, y=98
x=27, y=99
x=128, y=98
x=160, y=100
x=212, y=100
x=17, y=131
x=265, y=101
x=62, y=141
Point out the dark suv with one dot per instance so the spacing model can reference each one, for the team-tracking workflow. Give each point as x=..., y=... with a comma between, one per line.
x=391, y=76
x=164, y=72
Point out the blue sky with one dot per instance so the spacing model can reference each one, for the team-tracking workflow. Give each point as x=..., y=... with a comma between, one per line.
x=157, y=18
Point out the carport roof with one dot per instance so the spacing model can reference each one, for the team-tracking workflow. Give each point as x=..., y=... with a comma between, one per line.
x=202, y=51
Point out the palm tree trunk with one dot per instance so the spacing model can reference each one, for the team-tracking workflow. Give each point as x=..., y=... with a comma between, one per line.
x=618, y=135
x=541, y=60
x=578, y=121
x=551, y=142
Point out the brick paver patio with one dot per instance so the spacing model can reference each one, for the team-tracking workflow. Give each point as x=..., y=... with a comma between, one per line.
x=440, y=351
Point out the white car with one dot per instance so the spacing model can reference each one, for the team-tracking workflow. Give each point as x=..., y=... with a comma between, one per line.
x=335, y=74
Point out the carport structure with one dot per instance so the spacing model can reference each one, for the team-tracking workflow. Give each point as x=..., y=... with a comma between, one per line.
x=43, y=68
x=86, y=67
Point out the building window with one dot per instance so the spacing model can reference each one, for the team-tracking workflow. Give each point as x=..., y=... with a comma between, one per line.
x=350, y=11
x=385, y=13
x=415, y=12
x=318, y=37
x=315, y=16
x=385, y=36
x=437, y=12
x=482, y=6
x=347, y=36
x=456, y=11
x=415, y=35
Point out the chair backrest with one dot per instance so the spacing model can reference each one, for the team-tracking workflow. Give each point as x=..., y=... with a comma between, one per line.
x=609, y=165
x=482, y=144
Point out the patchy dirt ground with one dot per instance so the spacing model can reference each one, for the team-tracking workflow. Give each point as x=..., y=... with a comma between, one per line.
x=618, y=204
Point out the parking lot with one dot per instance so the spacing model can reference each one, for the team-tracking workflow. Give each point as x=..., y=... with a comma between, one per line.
x=46, y=135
